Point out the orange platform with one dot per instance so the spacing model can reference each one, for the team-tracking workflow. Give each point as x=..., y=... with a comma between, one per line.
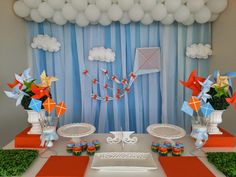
x=224, y=140
x=184, y=166
x=24, y=140
x=64, y=166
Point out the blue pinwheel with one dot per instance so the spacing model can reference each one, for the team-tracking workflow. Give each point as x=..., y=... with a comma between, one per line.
x=206, y=109
x=187, y=109
x=25, y=76
x=206, y=86
x=17, y=94
x=35, y=105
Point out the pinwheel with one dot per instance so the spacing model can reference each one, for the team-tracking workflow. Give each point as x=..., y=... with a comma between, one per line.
x=220, y=91
x=35, y=105
x=224, y=79
x=194, y=103
x=206, y=109
x=25, y=76
x=187, y=109
x=39, y=92
x=232, y=100
x=60, y=109
x=16, y=94
x=193, y=83
x=49, y=105
x=15, y=83
x=46, y=81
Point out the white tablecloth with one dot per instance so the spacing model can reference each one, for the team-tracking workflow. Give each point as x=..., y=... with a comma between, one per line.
x=143, y=145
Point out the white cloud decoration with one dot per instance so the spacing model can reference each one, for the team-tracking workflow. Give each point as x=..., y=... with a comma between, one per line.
x=101, y=54
x=104, y=12
x=199, y=51
x=46, y=43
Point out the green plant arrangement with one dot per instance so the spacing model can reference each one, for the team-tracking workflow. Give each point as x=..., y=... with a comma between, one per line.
x=224, y=161
x=15, y=162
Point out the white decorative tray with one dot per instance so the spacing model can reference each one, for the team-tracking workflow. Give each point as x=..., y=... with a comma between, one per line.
x=123, y=161
x=166, y=131
x=76, y=131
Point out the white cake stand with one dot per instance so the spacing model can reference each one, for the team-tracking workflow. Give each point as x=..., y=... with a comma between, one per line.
x=166, y=131
x=75, y=131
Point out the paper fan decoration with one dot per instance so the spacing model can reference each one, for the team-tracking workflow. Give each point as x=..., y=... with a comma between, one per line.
x=147, y=60
x=49, y=105
x=60, y=109
x=35, y=105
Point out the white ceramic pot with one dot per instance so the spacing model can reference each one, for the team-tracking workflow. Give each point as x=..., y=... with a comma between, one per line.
x=213, y=121
x=33, y=119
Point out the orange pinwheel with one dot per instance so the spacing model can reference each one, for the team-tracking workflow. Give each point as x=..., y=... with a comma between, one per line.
x=39, y=92
x=232, y=100
x=60, y=109
x=16, y=82
x=193, y=83
x=49, y=105
x=194, y=103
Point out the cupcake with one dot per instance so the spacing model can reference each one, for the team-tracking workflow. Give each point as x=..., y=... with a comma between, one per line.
x=97, y=144
x=181, y=145
x=69, y=147
x=83, y=144
x=91, y=149
x=163, y=150
x=176, y=151
x=168, y=145
x=77, y=150
x=155, y=146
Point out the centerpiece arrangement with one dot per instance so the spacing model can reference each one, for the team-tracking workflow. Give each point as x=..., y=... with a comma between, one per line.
x=210, y=98
x=34, y=97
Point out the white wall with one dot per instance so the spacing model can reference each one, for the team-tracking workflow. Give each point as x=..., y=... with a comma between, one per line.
x=224, y=53
x=13, y=59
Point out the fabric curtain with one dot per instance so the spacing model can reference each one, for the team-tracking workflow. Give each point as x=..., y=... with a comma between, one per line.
x=153, y=98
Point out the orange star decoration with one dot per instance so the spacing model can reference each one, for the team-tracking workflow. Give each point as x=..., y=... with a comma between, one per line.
x=232, y=100
x=60, y=109
x=194, y=103
x=222, y=81
x=46, y=80
x=39, y=92
x=193, y=83
x=49, y=105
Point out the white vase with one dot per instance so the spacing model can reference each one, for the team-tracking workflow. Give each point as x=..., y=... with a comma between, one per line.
x=33, y=118
x=213, y=121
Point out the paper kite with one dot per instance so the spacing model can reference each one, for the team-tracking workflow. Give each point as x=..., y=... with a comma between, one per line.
x=60, y=109
x=39, y=92
x=206, y=109
x=194, y=103
x=46, y=81
x=49, y=105
x=35, y=105
x=147, y=60
x=16, y=94
x=193, y=83
x=232, y=100
x=187, y=109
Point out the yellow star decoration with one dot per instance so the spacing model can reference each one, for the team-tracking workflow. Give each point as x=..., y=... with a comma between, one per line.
x=46, y=81
x=222, y=81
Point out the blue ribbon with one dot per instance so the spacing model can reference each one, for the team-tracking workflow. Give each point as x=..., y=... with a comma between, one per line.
x=47, y=137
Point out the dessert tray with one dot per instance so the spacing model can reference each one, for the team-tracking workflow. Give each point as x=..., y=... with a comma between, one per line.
x=75, y=131
x=123, y=161
x=166, y=131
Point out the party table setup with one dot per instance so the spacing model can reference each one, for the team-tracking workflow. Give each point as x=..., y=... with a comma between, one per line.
x=46, y=149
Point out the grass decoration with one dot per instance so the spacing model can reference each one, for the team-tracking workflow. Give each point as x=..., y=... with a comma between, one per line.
x=224, y=161
x=15, y=162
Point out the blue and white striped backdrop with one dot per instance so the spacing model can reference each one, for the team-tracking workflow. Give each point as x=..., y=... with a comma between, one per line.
x=154, y=98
